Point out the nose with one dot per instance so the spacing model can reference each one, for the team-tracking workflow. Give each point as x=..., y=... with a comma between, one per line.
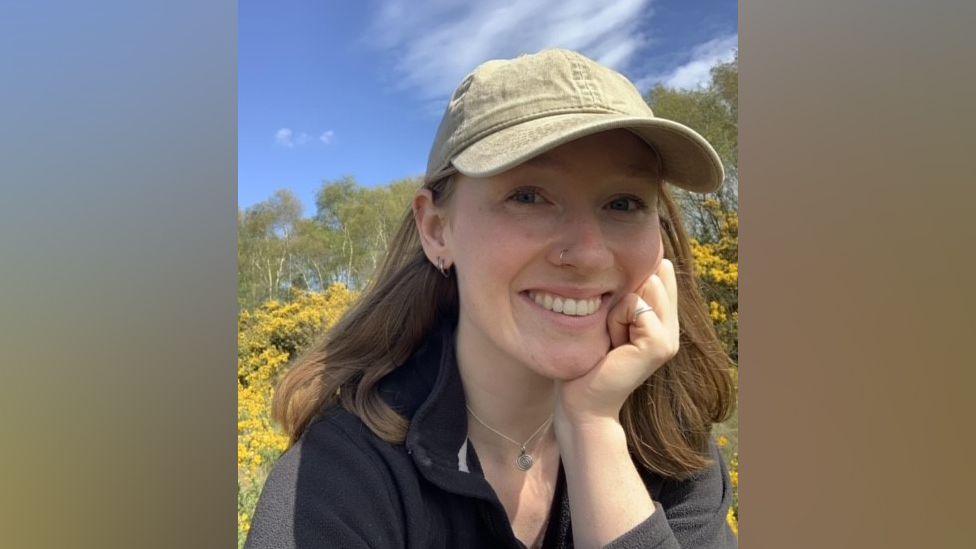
x=585, y=245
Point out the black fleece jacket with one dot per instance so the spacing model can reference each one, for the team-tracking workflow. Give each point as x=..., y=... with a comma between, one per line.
x=342, y=486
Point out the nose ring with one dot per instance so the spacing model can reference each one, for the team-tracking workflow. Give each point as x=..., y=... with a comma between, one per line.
x=561, y=255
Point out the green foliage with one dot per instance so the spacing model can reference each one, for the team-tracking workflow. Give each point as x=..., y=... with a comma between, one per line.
x=363, y=220
x=266, y=236
x=344, y=241
x=714, y=113
x=704, y=110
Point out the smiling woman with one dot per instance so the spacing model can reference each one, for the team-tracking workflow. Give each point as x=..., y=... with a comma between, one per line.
x=533, y=365
x=506, y=238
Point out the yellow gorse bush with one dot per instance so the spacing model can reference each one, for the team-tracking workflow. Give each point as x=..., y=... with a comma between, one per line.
x=267, y=340
x=733, y=516
x=718, y=272
x=733, y=522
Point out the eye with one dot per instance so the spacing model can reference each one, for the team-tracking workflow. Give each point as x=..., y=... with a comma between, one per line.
x=525, y=196
x=627, y=204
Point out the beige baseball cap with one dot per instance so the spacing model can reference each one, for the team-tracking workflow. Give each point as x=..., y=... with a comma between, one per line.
x=508, y=111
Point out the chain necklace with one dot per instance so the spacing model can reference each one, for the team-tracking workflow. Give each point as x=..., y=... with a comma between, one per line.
x=524, y=461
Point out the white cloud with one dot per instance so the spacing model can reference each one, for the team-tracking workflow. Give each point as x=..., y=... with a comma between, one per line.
x=437, y=43
x=696, y=73
x=284, y=137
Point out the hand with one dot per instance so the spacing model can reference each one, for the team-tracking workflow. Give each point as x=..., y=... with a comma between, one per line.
x=638, y=348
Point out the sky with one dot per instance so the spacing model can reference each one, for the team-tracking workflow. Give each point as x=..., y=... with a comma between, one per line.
x=328, y=89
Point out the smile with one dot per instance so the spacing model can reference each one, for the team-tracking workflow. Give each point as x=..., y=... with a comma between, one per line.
x=565, y=305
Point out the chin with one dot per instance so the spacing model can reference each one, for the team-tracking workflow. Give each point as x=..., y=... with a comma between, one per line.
x=572, y=366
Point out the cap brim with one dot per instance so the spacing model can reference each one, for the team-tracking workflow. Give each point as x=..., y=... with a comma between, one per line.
x=688, y=160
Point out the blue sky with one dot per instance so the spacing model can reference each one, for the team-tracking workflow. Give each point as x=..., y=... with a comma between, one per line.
x=331, y=88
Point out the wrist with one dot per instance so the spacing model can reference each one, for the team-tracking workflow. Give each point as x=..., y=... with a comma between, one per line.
x=589, y=420
x=606, y=431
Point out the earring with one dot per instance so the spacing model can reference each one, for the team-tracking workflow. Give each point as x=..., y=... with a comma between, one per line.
x=440, y=266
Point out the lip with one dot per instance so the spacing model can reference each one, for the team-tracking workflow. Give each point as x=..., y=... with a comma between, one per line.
x=573, y=323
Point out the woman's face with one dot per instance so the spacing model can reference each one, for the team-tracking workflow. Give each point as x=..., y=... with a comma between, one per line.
x=595, y=197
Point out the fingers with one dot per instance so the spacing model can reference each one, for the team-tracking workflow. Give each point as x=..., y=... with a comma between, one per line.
x=669, y=314
x=625, y=326
x=618, y=323
x=650, y=329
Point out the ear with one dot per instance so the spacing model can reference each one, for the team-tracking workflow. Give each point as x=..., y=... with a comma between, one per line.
x=431, y=222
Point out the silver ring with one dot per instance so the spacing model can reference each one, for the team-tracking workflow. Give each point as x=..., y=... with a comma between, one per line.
x=561, y=255
x=641, y=311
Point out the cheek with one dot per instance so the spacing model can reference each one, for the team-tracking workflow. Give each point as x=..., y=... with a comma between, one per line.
x=490, y=235
x=490, y=254
x=645, y=260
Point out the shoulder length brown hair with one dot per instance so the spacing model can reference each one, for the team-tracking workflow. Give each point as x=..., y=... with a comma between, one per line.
x=668, y=419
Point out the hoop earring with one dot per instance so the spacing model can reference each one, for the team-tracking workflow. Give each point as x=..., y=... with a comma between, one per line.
x=440, y=266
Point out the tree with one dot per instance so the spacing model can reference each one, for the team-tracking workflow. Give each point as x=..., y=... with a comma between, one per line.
x=316, y=263
x=362, y=221
x=266, y=236
x=713, y=112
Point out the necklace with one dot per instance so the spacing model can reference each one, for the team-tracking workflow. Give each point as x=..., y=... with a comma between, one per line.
x=524, y=461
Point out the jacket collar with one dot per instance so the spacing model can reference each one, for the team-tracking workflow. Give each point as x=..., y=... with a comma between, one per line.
x=427, y=389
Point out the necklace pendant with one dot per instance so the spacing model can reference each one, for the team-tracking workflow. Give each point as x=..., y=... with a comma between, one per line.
x=524, y=461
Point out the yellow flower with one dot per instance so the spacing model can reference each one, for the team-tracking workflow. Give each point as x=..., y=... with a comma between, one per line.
x=717, y=312
x=268, y=339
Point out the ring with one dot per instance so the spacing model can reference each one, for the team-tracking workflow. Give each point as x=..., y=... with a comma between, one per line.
x=641, y=311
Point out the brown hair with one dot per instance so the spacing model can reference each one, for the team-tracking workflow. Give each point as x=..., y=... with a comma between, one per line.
x=668, y=419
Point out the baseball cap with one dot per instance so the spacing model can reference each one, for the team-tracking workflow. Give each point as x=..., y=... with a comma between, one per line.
x=508, y=111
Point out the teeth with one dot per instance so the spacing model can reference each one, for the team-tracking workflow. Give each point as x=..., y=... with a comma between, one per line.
x=566, y=306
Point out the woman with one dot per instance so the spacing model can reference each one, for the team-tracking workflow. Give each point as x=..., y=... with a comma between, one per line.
x=519, y=373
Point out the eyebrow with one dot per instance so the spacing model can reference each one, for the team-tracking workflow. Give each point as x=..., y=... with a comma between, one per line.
x=550, y=163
